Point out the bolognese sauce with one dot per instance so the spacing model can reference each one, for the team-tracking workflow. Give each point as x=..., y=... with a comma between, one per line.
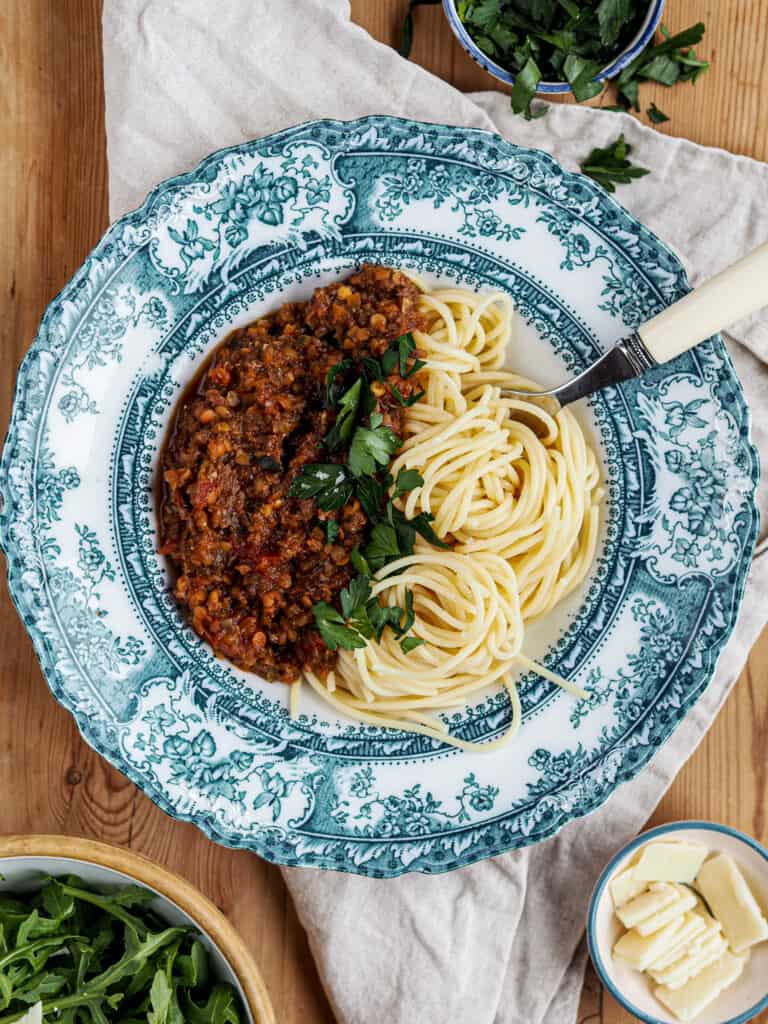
x=250, y=560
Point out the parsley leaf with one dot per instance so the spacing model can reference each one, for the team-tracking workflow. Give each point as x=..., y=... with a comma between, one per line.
x=358, y=592
x=331, y=530
x=334, y=630
x=406, y=402
x=372, y=446
x=341, y=431
x=409, y=643
x=406, y=37
x=581, y=77
x=407, y=480
x=332, y=393
x=383, y=547
x=612, y=16
x=657, y=116
x=329, y=484
x=524, y=89
x=610, y=166
x=359, y=564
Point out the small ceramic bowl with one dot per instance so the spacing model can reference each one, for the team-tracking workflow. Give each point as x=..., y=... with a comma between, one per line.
x=24, y=859
x=619, y=62
x=738, y=1004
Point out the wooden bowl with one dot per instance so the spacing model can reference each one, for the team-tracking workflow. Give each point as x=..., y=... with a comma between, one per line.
x=113, y=865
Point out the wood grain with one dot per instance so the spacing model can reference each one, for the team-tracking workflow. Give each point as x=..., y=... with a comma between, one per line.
x=53, y=209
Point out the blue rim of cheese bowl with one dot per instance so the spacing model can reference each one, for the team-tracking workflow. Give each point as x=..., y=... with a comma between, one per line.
x=605, y=877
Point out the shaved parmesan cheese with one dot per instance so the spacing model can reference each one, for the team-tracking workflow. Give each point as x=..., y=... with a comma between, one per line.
x=644, y=906
x=641, y=952
x=693, y=928
x=626, y=886
x=693, y=962
x=686, y=900
x=688, y=1002
x=670, y=862
x=726, y=891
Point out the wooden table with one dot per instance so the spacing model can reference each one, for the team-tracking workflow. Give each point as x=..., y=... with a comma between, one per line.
x=53, y=206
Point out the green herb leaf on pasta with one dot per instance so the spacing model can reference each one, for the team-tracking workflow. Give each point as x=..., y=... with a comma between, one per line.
x=334, y=629
x=372, y=447
x=407, y=480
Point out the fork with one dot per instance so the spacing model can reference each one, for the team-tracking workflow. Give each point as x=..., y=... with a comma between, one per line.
x=725, y=298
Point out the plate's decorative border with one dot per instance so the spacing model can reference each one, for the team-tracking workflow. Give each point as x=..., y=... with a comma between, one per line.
x=577, y=200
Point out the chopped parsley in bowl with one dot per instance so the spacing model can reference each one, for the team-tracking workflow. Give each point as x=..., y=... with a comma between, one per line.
x=551, y=46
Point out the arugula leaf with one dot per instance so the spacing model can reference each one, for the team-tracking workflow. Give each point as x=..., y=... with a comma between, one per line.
x=220, y=1008
x=95, y=975
x=341, y=431
x=407, y=480
x=329, y=483
x=334, y=630
x=193, y=966
x=656, y=115
x=372, y=446
x=610, y=166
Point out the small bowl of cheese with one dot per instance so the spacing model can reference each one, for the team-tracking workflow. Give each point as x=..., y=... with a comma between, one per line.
x=678, y=925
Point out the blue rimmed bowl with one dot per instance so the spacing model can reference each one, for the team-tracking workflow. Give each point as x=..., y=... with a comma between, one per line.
x=636, y=45
x=748, y=996
x=264, y=223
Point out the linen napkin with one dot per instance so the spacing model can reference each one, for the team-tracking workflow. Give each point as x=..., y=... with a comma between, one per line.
x=499, y=942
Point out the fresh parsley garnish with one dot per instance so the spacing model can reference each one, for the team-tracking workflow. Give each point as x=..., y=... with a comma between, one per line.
x=610, y=166
x=383, y=547
x=329, y=484
x=362, y=617
x=407, y=402
x=341, y=432
x=409, y=643
x=372, y=447
x=332, y=385
x=334, y=630
x=407, y=480
x=331, y=530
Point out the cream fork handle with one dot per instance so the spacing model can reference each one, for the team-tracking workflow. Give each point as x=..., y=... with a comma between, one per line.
x=722, y=300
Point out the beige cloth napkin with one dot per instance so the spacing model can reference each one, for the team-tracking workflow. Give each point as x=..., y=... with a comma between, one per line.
x=499, y=942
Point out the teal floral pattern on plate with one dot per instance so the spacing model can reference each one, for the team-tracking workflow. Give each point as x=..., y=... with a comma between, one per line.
x=263, y=223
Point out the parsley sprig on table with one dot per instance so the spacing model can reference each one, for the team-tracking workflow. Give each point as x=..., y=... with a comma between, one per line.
x=99, y=957
x=360, y=431
x=610, y=166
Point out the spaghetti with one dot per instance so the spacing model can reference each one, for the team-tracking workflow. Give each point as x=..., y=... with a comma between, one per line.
x=514, y=488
